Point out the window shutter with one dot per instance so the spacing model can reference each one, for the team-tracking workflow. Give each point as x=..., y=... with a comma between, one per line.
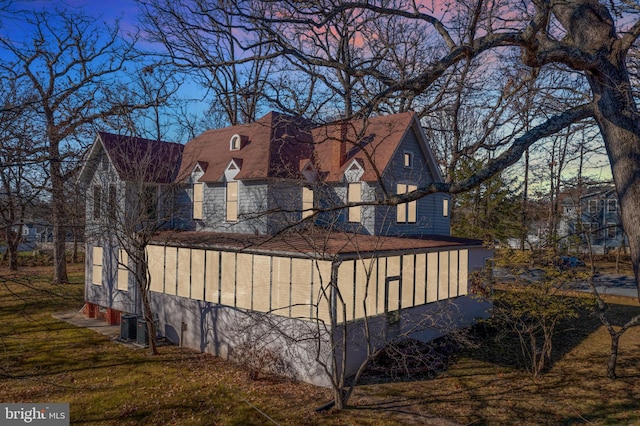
x=232, y=201
x=197, y=200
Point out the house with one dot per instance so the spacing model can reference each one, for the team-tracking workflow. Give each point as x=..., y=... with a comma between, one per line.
x=279, y=242
x=592, y=217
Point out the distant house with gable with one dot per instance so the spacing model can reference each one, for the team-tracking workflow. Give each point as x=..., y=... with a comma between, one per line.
x=284, y=220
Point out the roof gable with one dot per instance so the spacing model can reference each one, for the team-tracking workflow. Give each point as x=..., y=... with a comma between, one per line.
x=138, y=159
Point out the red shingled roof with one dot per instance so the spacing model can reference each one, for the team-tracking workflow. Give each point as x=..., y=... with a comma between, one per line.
x=146, y=160
x=272, y=147
x=277, y=145
x=371, y=142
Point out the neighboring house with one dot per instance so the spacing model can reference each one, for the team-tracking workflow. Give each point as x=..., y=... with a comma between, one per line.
x=593, y=218
x=261, y=243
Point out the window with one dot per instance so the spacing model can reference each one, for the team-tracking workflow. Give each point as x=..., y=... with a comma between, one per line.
x=235, y=142
x=408, y=160
x=96, y=275
x=123, y=271
x=113, y=205
x=612, y=230
x=232, y=201
x=612, y=206
x=445, y=207
x=151, y=203
x=198, y=189
x=97, y=201
x=307, y=202
x=593, y=206
x=354, y=195
x=406, y=212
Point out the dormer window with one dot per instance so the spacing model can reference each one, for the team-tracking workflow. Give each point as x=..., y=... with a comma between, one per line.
x=235, y=143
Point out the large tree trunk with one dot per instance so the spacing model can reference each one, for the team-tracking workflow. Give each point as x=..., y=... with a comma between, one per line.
x=590, y=28
x=59, y=204
x=617, y=118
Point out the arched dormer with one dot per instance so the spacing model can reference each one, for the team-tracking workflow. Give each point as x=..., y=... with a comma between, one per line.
x=236, y=142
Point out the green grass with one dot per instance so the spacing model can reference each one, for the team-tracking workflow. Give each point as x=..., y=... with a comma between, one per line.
x=46, y=360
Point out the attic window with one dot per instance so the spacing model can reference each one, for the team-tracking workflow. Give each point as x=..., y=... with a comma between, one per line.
x=235, y=143
x=408, y=160
x=354, y=167
x=232, y=166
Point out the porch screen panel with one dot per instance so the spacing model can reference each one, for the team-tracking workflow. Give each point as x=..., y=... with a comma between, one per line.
x=244, y=280
x=453, y=273
x=300, y=288
x=393, y=266
x=463, y=272
x=261, y=283
x=227, y=286
x=382, y=280
x=96, y=270
x=443, y=278
x=281, y=291
x=212, y=277
x=171, y=273
x=184, y=272
x=432, y=277
x=366, y=283
x=322, y=290
x=197, y=274
x=345, y=285
x=123, y=272
x=421, y=271
x=155, y=254
x=408, y=286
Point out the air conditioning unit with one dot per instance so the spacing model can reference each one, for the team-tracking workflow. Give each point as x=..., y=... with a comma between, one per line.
x=128, y=327
x=142, y=335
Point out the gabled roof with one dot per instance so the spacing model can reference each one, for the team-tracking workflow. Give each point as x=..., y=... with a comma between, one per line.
x=279, y=145
x=273, y=148
x=135, y=159
x=146, y=160
x=372, y=142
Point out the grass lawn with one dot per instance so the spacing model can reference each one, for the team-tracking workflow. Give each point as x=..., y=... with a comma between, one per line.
x=46, y=360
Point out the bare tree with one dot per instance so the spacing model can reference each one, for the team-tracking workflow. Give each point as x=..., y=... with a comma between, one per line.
x=21, y=169
x=577, y=37
x=202, y=40
x=71, y=65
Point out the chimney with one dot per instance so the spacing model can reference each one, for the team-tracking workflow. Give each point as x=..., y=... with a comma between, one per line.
x=339, y=152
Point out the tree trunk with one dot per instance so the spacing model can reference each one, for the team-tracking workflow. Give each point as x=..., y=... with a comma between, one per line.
x=617, y=118
x=590, y=28
x=613, y=356
x=59, y=204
